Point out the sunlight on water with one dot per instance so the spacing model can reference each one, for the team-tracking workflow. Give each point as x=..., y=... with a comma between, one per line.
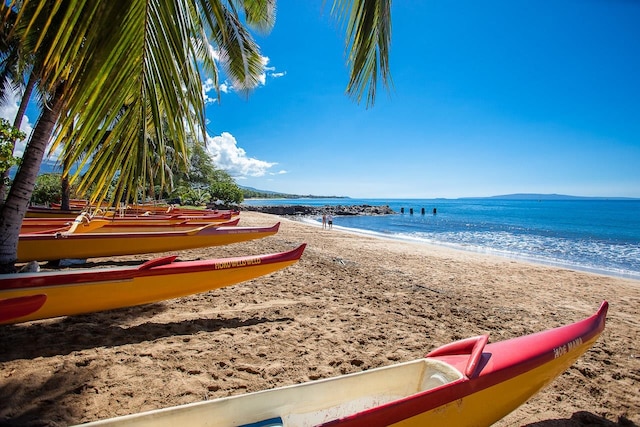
x=599, y=236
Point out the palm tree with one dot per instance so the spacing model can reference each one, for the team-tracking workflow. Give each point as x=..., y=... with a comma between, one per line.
x=100, y=56
x=14, y=70
x=111, y=73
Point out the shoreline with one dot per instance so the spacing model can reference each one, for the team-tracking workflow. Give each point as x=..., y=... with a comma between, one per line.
x=352, y=303
x=472, y=249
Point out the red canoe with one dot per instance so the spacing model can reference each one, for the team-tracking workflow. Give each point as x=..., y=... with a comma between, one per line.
x=47, y=247
x=41, y=295
x=465, y=383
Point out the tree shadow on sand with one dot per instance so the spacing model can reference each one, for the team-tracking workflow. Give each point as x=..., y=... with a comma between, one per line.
x=584, y=419
x=74, y=333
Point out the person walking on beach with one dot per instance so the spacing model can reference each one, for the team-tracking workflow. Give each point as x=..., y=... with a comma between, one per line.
x=330, y=221
x=324, y=220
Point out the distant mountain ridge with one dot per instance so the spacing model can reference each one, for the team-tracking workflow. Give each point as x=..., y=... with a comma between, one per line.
x=47, y=166
x=250, y=192
x=514, y=196
x=534, y=196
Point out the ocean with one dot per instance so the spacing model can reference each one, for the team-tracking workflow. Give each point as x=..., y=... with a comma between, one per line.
x=594, y=235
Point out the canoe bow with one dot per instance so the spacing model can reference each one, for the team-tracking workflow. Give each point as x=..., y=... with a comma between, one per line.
x=71, y=292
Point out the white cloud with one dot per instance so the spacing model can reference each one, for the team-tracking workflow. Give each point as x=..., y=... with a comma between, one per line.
x=208, y=87
x=223, y=149
x=263, y=76
x=8, y=111
x=271, y=71
x=226, y=87
x=228, y=156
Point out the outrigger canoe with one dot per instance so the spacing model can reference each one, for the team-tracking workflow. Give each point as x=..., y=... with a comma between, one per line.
x=47, y=223
x=54, y=222
x=41, y=295
x=16, y=307
x=56, y=212
x=55, y=246
x=102, y=226
x=43, y=212
x=98, y=225
x=465, y=383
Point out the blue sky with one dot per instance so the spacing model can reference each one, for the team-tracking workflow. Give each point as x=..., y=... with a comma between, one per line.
x=489, y=98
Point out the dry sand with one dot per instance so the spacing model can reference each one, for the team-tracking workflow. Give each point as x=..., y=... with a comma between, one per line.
x=351, y=303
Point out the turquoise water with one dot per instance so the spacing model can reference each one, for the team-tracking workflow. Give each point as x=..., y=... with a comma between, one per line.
x=601, y=236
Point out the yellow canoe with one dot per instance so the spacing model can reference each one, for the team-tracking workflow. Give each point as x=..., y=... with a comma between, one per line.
x=466, y=383
x=43, y=212
x=49, y=247
x=56, y=212
x=97, y=225
x=41, y=295
x=13, y=308
x=131, y=226
x=90, y=222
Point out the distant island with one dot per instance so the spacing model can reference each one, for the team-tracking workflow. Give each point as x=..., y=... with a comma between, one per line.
x=252, y=193
x=533, y=196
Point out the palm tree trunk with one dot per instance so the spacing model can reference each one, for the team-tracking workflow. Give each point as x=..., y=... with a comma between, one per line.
x=65, y=189
x=24, y=102
x=15, y=207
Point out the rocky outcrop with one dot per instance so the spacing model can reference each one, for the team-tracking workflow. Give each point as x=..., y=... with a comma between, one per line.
x=337, y=210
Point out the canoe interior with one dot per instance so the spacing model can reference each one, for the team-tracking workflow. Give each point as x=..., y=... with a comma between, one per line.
x=307, y=404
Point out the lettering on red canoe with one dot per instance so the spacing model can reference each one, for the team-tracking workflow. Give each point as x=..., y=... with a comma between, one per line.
x=564, y=349
x=239, y=263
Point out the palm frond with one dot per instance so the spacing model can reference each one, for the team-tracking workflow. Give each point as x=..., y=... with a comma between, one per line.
x=368, y=40
x=149, y=70
x=260, y=15
x=239, y=55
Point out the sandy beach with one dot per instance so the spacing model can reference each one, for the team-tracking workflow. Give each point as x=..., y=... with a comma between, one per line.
x=351, y=303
